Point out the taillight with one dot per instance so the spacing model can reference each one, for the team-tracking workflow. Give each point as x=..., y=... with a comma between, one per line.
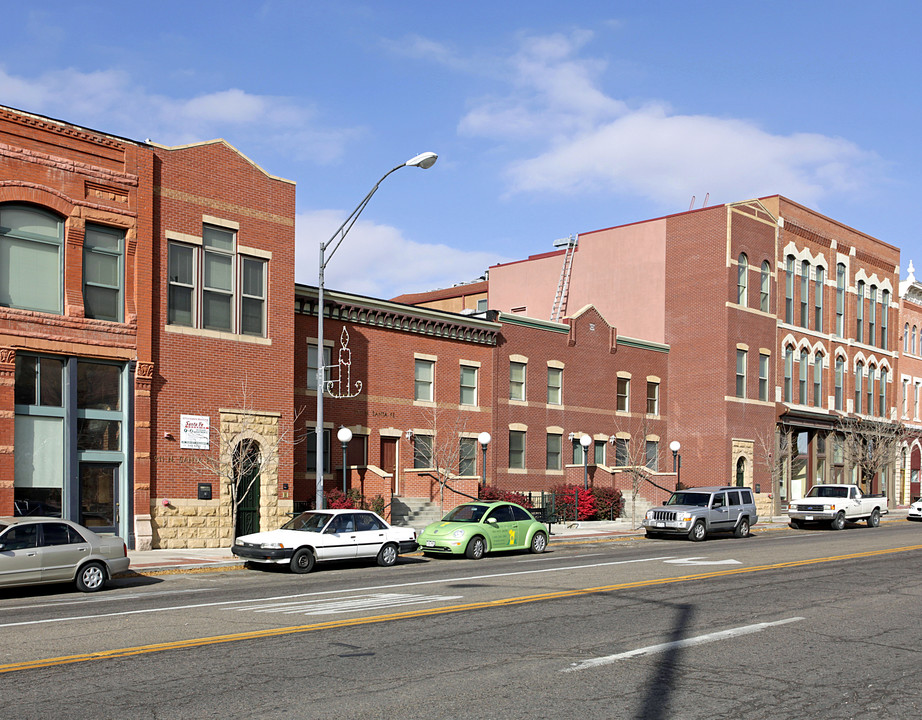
x=124, y=549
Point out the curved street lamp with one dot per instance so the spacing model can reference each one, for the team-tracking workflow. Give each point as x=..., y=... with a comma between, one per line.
x=484, y=440
x=423, y=160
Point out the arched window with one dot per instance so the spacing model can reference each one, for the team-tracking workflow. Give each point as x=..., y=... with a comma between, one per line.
x=859, y=378
x=789, y=290
x=818, y=363
x=765, y=289
x=859, y=323
x=906, y=338
x=840, y=299
x=818, y=298
x=31, y=246
x=884, y=317
x=742, y=280
x=804, y=365
x=870, y=390
x=912, y=347
x=789, y=374
x=741, y=472
x=804, y=292
x=840, y=372
x=882, y=395
x=872, y=315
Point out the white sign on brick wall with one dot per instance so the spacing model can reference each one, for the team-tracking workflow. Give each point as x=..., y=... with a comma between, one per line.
x=194, y=431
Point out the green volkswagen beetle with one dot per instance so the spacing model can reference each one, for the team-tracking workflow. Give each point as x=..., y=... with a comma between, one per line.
x=476, y=528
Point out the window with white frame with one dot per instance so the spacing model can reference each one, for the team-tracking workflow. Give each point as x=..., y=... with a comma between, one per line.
x=598, y=448
x=554, y=449
x=839, y=380
x=818, y=292
x=467, y=456
x=765, y=288
x=554, y=386
x=622, y=455
x=517, y=449
x=623, y=392
x=804, y=366
x=103, y=273
x=424, y=381
x=859, y=313
x=468, y=385
x=310, y=440
x=818, y=366
x=872, y=315
x=652, y=455
x=804, y=292
x=789, y=290
x=742, y=280
x=652, y=397
x=884, y=317
x=882, y=395
x=422, y=451
x=859, y=379
x=31, y=259
x=789, y=374
x=312, y=365
x=516, y=380
x=214, y=286
x=741, y=373
x=840, y=299
x=763, y=376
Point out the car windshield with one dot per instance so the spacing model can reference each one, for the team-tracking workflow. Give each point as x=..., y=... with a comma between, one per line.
x=2, y=528
x=828, y=492
x=466, y=513
x=690, y=498
x=308, y=521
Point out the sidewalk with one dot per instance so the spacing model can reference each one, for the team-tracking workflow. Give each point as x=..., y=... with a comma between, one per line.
x=150, y=562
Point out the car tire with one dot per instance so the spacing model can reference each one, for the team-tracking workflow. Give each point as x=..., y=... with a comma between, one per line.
x=91, y=577
x=796, y=524
x=387, y=555
x=874, y=518
x=476, y=548
x=838, y=522
x=742, y=529
x=538, y=542
x=302, y=561
x=698, y=531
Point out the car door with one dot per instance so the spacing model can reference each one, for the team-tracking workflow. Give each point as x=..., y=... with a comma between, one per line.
x=734, y=508
x=718, y=513
x=523, y=521
x=338, y=541
x=370, y=534
x=19, y=559
x=61, y=549
x=501, y=527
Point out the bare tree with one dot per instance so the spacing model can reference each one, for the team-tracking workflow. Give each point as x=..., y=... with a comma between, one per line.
x=444, y=449
x=775, y=451
x=634, y=458
x=870, y=445
x=244, y=447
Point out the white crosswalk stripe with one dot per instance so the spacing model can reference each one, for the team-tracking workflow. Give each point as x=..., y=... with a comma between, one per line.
x=333, y=606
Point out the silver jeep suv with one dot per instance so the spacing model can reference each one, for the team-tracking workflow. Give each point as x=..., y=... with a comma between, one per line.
x=698, y=512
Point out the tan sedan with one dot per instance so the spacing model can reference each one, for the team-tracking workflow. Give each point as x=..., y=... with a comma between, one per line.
x=38, y=550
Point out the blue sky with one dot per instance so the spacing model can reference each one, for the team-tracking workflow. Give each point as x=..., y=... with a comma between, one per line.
x=549, y=118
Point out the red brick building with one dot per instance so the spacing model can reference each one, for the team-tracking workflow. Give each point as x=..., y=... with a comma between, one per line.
x=139, y=286
x=910, y=396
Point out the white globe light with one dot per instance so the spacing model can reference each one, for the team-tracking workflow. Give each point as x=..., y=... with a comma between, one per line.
x=484, y=438
x=344, y=435
x=585, y=441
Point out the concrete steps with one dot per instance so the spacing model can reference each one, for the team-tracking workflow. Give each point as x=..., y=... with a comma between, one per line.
x=414, y=512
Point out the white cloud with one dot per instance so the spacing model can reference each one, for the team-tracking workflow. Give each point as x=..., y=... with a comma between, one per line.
x=110, y=101
x=579, y=139
x=377, y=260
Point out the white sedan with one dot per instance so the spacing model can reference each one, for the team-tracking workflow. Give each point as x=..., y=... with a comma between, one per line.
x=915, y=511
x=320, y=535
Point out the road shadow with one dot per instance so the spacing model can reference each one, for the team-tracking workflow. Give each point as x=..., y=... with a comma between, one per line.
x=666, y=670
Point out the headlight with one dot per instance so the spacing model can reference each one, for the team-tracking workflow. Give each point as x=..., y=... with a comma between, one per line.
x=685, y=518
x=649, y=515
x=272, y=546
x=458, y=534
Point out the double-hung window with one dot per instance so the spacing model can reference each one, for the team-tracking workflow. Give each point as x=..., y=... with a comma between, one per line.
x=103, y=273
x=424, y=381
x=818, y=298
x=468, y=385
x=840, y=300
x=467, y=456
x=623, y=394
x=517, y=449
x=763, y=376
x=652, y=397
x=516, y=380
x=422, y=451
x=312, y=365
x=741, y=373
x=554, y=386
x=765, y=290
x=31, y=259
x=215, y=286
x=742, y=280
x=554, y=443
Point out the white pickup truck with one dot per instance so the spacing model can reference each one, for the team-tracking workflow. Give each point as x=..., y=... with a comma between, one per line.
x=835, y=504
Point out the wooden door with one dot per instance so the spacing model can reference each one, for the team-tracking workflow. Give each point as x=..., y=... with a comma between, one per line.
x=389, y=459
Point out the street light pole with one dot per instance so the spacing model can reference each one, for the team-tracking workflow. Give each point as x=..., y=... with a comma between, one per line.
x=676, y=461
x=484, y=440
x=344, y=435
x=425, y=160
x=585, y=441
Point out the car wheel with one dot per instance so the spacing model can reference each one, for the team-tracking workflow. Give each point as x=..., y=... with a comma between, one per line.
x=302, y=561
x=476, y=548
x=539, y=542
x=698, y=532
x=874, y=519
x=796, y=524
x=742, y=529
x=91, y=577
x=838, y=522
x=387, y=555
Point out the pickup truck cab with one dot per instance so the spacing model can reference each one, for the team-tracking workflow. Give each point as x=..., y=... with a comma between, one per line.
x=699, y=511
x=834, y=504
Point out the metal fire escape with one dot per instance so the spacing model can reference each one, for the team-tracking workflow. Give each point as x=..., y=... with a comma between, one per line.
x=559, y=308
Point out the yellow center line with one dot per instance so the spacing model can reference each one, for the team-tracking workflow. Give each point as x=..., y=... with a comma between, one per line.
x=428, y=612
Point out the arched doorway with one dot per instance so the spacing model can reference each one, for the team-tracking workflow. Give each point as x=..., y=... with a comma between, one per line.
x=741, y=472
x=915, y=462
x=246, y=483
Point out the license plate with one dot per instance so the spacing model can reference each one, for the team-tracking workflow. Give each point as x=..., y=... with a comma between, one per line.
x=808, y=517
x=430, y=543
x=660, y=524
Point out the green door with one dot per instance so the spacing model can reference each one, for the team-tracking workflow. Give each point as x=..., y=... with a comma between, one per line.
x=246, y=470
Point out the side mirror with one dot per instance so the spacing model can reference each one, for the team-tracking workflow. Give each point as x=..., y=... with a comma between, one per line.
x=491, y=520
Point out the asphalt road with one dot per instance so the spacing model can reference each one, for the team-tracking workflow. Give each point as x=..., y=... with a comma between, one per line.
x=785, y=623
